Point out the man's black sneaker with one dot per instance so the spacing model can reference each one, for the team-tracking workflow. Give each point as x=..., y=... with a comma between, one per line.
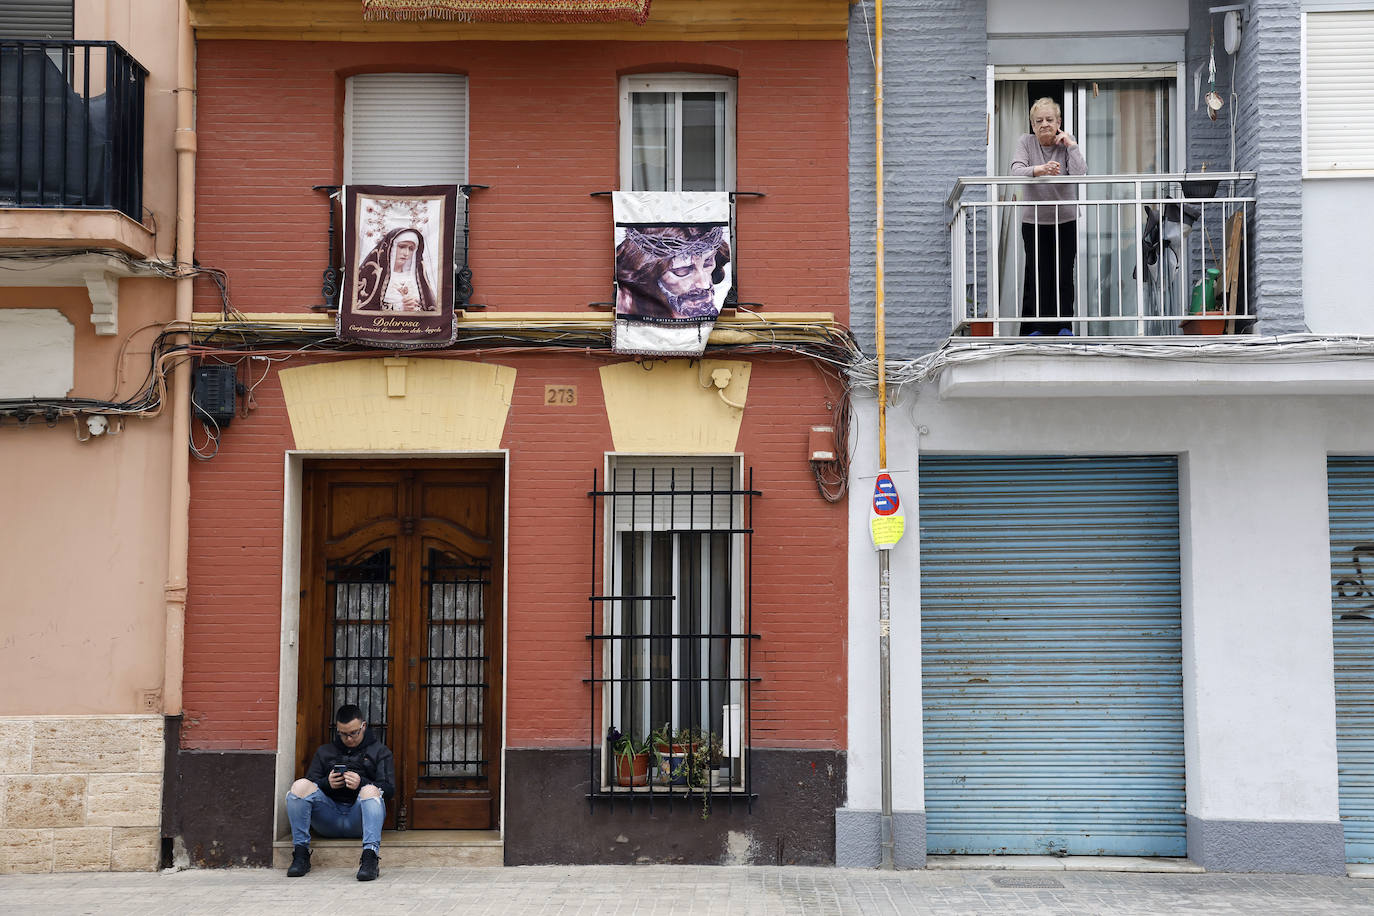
x=368, y=866
x=300, y=861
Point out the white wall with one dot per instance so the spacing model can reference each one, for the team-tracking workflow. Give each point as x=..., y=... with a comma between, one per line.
x=1258, y=684
x=37, y=353
x=864, y=765
x=1337, y=276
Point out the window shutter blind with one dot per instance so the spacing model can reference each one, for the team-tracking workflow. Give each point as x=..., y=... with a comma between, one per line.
x=406, y=129
x=643, y=484
x=1340, y=91
x=35, y=19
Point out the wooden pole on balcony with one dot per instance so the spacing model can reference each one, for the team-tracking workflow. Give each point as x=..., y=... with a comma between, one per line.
x=884, y=571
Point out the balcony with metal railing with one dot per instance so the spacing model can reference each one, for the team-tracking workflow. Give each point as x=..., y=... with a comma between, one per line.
x=72, y=170
x=1128, y=256
x=71, y=126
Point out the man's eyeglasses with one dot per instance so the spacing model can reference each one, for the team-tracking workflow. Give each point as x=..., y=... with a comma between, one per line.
x=353, y=734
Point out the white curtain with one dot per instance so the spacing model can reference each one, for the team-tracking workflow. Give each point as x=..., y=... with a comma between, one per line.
x=1124, y=132
x=1011, y=113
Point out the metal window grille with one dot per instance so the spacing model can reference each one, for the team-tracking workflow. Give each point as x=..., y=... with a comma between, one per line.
x=670, y=630
x=456, y=667
x=358, y=663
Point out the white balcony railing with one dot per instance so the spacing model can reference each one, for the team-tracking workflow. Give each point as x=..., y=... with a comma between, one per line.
x=1156, y=255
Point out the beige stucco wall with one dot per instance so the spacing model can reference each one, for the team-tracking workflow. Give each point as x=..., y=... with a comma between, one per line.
x=83, y=547
x=84, y=544
x=147, y=29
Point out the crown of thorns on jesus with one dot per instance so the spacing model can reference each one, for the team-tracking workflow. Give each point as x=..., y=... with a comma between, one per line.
x=657, y=246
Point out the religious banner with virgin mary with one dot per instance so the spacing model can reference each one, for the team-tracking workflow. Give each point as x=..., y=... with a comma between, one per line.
x=672, y=269
x=398, y=266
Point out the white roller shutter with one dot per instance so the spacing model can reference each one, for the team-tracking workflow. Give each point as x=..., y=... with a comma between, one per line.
x=406, y=129
x=1339, y=116
x=660, y=493
x=35, y=19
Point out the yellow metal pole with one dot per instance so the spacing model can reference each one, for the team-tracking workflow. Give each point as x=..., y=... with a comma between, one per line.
x=884, y=572
x=879, y=315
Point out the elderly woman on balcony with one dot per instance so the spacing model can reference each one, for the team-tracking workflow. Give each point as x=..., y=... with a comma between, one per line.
x=1049, y=229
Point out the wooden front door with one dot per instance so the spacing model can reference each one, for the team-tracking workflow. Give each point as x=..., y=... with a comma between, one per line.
x=401, y=614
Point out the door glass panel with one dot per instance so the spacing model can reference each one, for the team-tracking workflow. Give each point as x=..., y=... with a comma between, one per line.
x=358, y=658
x=456, y=665
x=1124, y=128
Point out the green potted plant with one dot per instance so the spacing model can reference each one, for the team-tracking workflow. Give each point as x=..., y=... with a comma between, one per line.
x=631, y=758
x=703, y=750
x=670, y=752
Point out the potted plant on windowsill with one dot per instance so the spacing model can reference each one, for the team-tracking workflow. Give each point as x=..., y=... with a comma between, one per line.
x=1205, y=315
x=631, y=758
x=687, y=757
x=671, y=752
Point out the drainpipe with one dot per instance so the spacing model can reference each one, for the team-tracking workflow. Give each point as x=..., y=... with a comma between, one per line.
x=884, y=573
x=174, y=590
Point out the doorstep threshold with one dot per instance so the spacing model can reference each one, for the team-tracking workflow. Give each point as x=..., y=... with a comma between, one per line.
x=1165, y=865
x=401, y=839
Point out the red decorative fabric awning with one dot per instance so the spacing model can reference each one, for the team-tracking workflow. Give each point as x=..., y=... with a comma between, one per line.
x=636, y=11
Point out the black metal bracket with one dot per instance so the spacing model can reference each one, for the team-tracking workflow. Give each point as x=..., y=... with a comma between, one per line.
x=329, y=288
x=463, y=272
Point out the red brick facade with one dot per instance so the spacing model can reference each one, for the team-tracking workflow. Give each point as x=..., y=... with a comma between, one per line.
x=543, y=122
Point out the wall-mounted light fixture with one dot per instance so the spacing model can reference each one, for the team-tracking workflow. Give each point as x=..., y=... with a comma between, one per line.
x=1230, y=30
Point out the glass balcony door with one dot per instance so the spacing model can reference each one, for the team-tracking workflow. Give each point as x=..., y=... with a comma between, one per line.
x=1126, y=127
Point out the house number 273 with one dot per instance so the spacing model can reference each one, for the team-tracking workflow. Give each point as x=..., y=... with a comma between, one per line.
x=560, y=395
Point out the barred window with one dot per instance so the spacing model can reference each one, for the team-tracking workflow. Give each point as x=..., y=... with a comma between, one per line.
x=670, y=627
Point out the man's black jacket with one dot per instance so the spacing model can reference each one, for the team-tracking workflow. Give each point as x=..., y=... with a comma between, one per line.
x=370, y=759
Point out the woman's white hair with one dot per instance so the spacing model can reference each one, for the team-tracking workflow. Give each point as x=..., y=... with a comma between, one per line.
x=1047, y=102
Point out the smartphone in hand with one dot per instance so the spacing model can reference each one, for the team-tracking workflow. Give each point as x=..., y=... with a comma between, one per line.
x=341, y=768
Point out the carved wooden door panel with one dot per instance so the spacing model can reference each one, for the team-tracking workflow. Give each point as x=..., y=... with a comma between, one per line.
x=400, y=614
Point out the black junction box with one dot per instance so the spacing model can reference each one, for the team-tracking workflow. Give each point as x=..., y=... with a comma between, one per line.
x=212, y=392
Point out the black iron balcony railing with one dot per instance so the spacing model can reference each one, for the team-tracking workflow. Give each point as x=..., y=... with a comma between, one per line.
x=71, y=126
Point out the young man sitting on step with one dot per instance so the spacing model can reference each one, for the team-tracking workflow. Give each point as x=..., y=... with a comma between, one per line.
x=343, y=793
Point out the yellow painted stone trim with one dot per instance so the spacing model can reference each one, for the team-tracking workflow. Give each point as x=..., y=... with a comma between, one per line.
x=399, y=403
x=669, y=20
x=734, y=328
x=675, y=406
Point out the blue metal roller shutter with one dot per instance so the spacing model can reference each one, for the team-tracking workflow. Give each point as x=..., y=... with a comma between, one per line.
x=1051, y=652
x=1350, y=488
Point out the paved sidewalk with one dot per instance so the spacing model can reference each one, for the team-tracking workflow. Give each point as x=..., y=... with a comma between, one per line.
x=680, y=891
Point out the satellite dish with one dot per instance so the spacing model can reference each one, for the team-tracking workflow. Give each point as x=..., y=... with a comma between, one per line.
x=1231, y=32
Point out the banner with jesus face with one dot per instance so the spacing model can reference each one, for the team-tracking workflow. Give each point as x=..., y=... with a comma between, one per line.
x=398, y=266
x=672, y=269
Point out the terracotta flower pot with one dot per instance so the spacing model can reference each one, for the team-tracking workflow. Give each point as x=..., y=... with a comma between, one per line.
x=632, y=771
x=1204, y=324
x=980, y=329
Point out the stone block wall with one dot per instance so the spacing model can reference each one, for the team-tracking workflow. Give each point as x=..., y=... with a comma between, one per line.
x=80, y=793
